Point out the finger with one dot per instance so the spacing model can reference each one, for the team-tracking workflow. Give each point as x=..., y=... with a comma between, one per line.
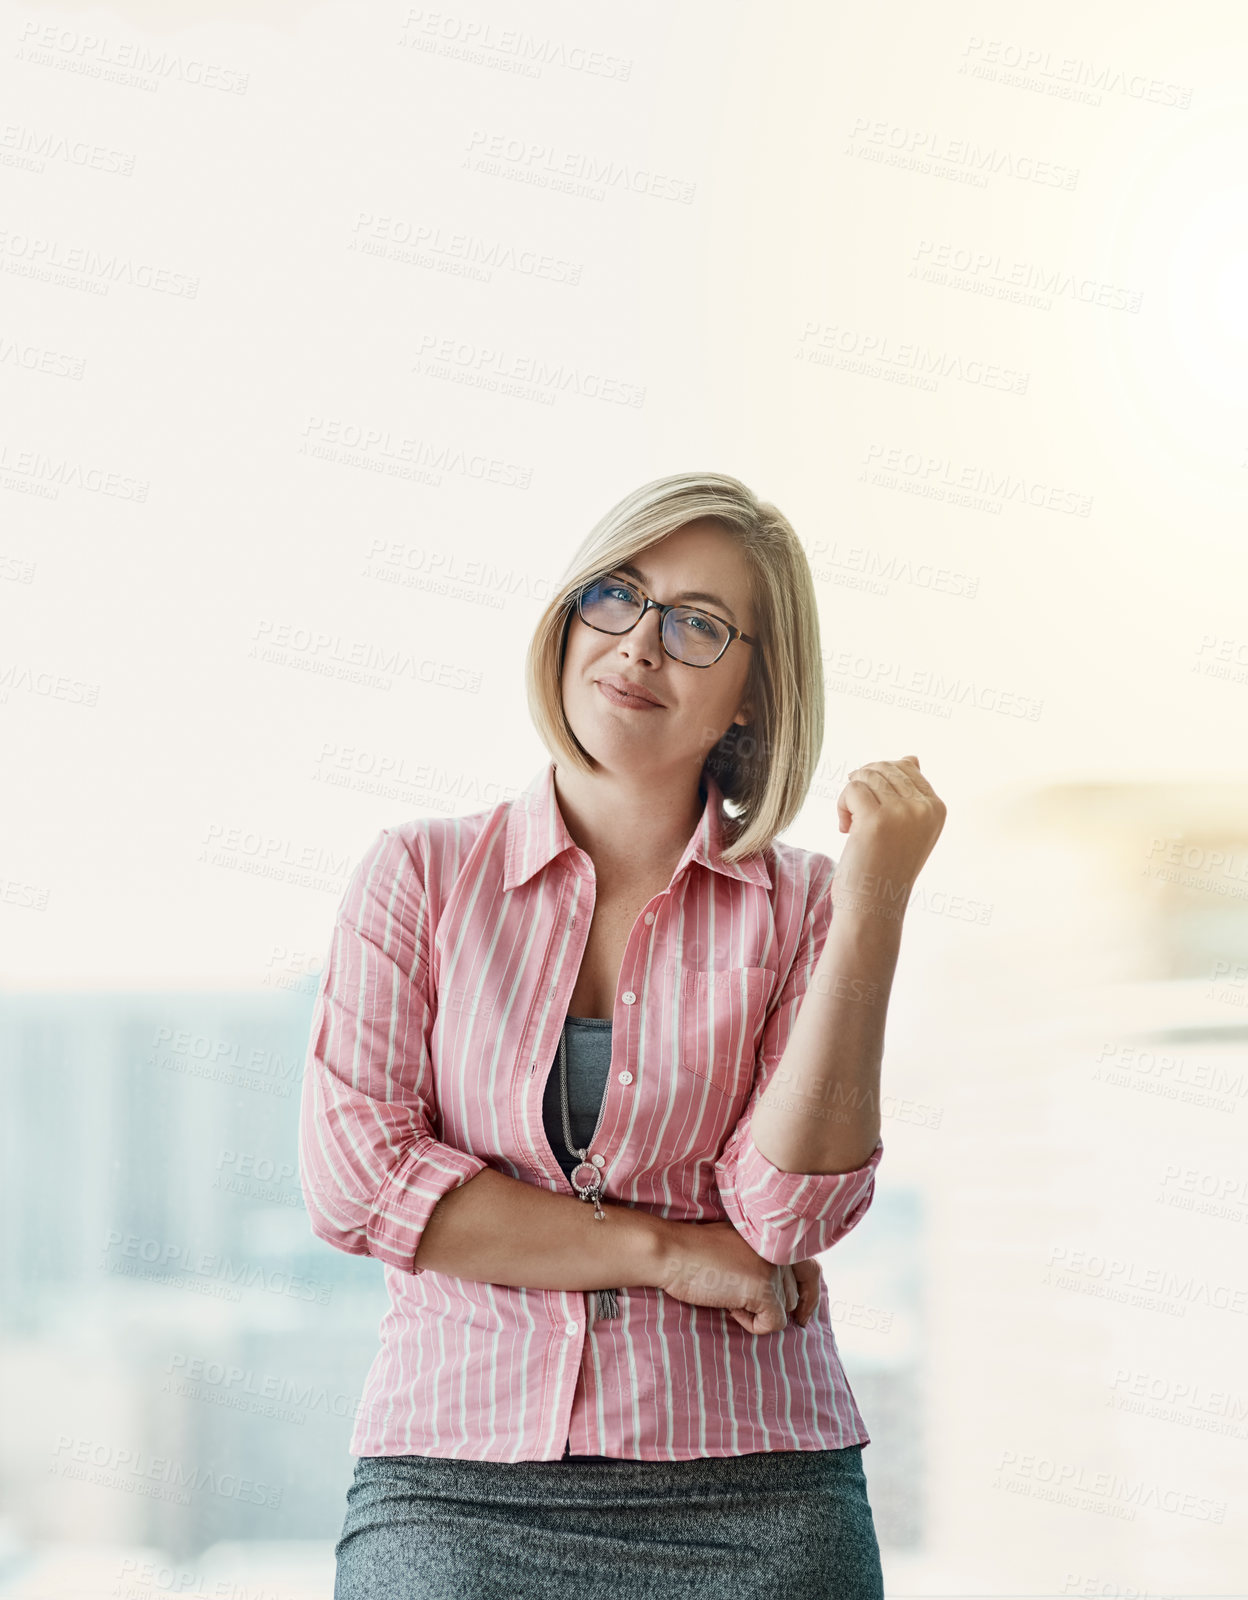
x=885, y=779
x=906, y=779
x=866, y=798
x=810, y=1280
x=866, y=790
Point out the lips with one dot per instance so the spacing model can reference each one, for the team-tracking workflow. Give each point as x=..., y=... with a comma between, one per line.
x=621, y=692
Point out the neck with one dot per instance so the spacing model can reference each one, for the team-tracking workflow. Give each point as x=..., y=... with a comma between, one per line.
x=631, y=829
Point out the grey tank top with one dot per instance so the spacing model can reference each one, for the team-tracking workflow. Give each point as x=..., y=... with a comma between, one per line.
x=589, y=1061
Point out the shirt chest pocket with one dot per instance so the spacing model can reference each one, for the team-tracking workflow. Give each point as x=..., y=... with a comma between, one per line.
x=723, y=1011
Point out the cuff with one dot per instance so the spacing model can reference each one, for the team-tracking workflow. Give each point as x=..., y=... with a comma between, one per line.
x=800, y=1214
x=405, y=1201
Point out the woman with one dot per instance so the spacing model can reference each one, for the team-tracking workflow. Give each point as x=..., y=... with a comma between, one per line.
x=610, y=990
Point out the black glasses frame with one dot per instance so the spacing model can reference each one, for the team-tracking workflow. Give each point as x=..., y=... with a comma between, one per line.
x=648, y=604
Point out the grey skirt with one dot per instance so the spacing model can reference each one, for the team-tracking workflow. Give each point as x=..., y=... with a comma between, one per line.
x=791, y=1522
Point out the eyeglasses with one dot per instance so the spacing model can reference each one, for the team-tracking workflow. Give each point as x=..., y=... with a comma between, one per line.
x=695, y=637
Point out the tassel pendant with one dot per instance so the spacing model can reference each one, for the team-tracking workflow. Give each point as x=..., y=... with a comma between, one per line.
x=605, y=1304
x=591, y=1189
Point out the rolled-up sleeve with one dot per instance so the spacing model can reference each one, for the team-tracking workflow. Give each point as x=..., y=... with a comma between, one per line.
x=370, y=1166
x=790, y=1216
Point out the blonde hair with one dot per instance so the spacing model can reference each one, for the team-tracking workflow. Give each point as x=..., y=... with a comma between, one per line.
x=765, y=767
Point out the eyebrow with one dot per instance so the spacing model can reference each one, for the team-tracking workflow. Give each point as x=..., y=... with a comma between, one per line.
x=685, y=594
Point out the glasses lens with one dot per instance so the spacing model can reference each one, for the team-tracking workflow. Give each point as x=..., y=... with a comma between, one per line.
x=694, y=637
x=610, y=605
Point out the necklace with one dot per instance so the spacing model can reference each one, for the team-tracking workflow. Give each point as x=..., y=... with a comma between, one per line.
x=591, y=1187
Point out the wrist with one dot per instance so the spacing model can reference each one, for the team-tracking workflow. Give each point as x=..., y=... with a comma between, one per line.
x=658, y=1239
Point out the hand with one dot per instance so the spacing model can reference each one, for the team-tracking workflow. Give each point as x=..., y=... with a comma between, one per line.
x=893, y=817
x=710, y=1264
x=801, y=1293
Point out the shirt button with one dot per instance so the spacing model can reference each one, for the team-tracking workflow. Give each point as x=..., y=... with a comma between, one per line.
x=599, y=1161
x=649, y=918
x=628, y=997
x=569, y=1327
x=626, y=1077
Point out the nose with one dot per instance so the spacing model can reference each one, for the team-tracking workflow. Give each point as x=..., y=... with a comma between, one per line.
x=645, y=638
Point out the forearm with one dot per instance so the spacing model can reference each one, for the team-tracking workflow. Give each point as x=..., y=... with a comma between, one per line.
x=496, y=1229
x=820, y=1111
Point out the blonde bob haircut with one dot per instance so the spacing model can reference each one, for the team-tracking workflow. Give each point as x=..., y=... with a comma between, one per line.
x=764, y=767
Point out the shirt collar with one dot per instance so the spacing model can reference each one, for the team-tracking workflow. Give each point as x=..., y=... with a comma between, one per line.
x=537, y=833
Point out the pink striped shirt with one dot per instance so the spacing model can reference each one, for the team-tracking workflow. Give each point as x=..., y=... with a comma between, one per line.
x=455, y=952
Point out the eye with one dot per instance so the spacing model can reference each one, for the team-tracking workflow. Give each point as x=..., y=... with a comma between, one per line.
x=706, y=625
x=613, y=588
